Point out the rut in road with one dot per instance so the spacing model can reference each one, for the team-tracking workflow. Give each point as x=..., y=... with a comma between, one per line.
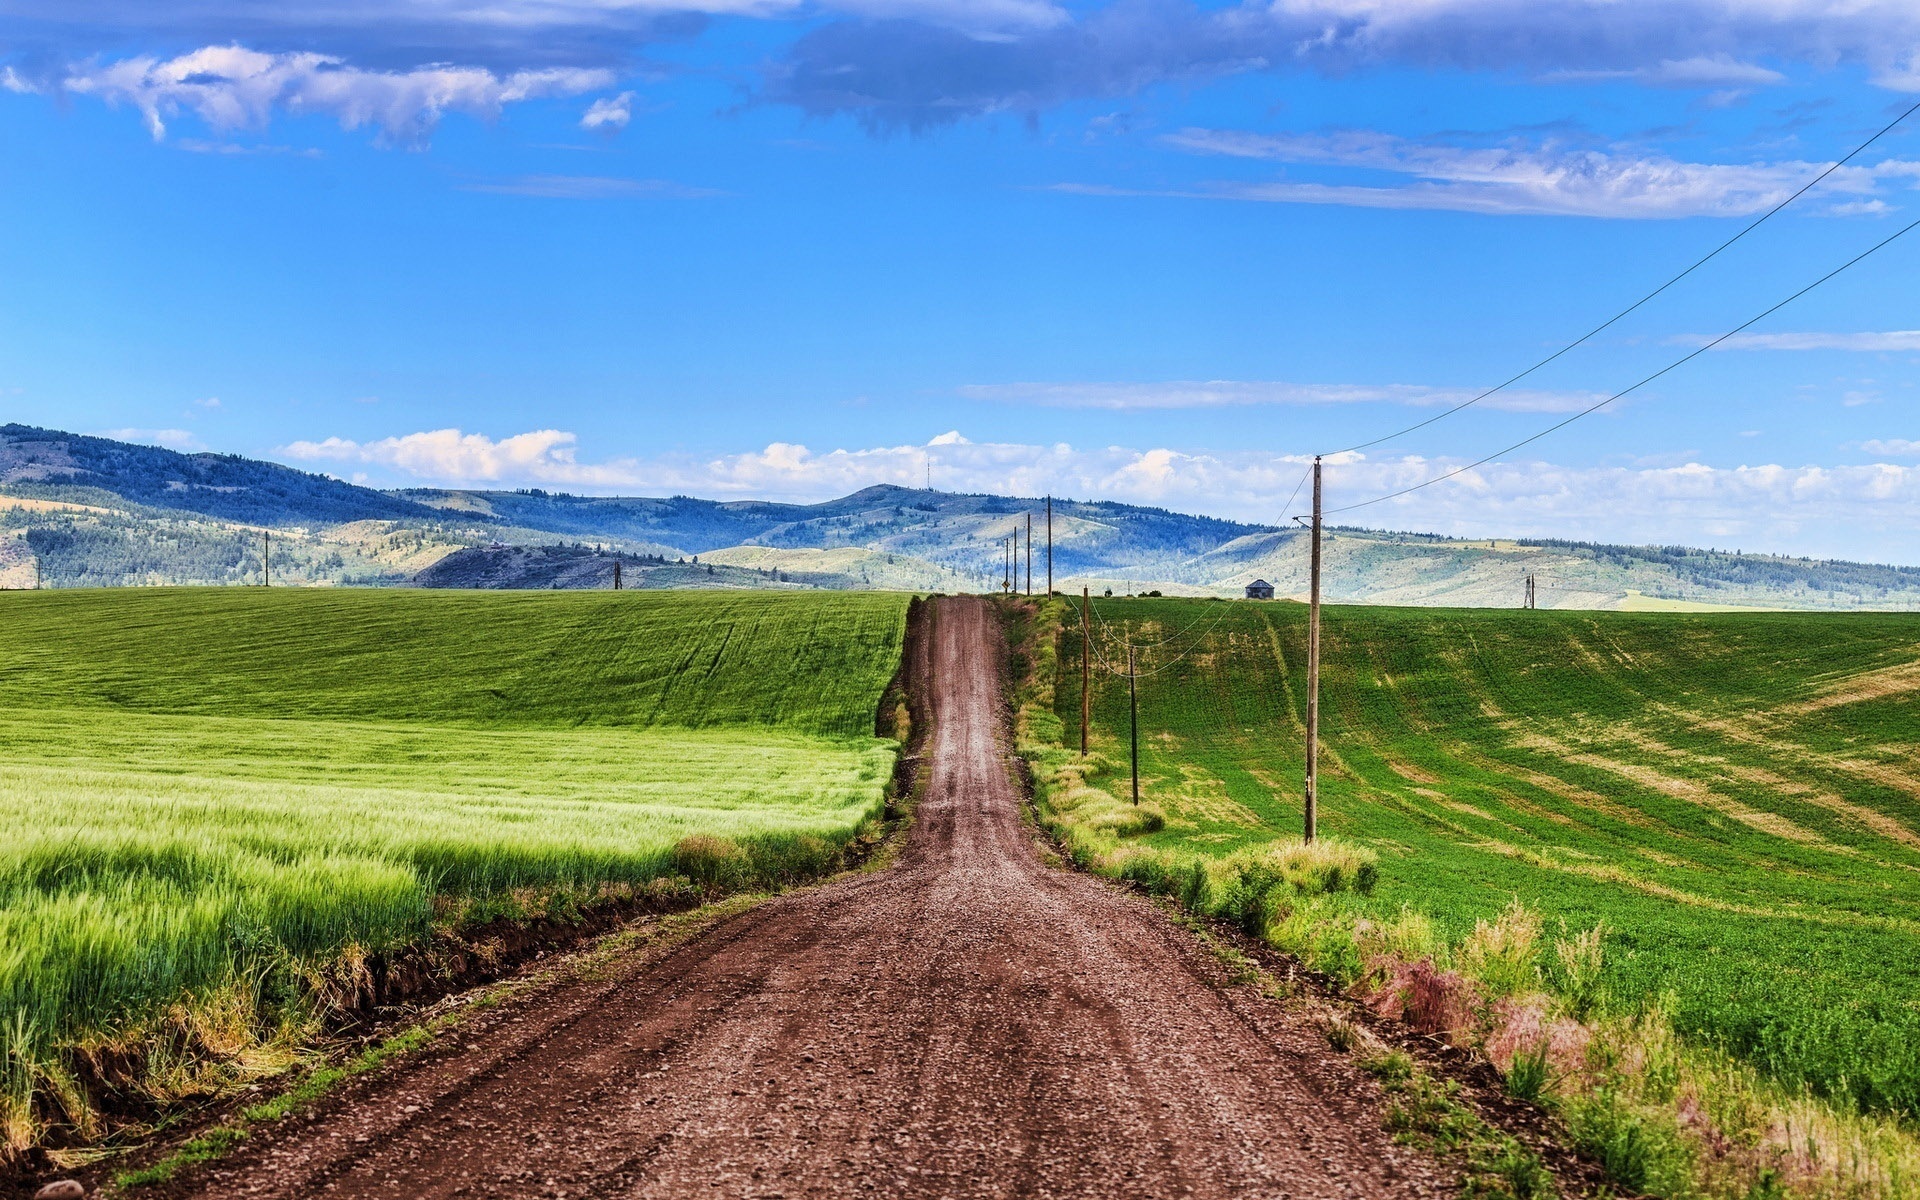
x=967, y=1022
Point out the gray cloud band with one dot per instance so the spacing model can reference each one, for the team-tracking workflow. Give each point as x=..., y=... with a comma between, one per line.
x=915, y=64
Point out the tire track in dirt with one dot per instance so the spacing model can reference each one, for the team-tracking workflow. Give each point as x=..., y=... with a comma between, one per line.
x=968, y=1022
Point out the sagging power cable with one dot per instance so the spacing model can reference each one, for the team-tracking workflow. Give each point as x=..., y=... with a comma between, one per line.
x=1677, y=363
x=1637, y=304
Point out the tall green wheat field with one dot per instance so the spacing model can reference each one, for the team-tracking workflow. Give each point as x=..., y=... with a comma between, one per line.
x=199, y=787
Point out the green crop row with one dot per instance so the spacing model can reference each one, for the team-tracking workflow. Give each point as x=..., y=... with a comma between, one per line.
x=210, y=798
x=1718, y=814
x=794, y=661
x=1733, y=796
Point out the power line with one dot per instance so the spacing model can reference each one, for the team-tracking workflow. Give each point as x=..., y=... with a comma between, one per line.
x=1173, y=662
x=1218, y=616
x=1591, y=409
x=1623, y=313
x=1295, y=494
x=1163, y=641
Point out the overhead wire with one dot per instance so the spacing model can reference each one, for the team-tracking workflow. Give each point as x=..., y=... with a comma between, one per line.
x=1637, y=304
x=1549, y=359
x=1294, y=494
x=1677, y=363
x=1138, y=674
x=1151, y=645
x=1176, y=660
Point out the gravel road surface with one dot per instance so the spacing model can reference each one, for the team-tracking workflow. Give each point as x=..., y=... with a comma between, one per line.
x=968, y=1021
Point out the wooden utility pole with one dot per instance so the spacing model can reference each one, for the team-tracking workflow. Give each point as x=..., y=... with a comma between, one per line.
x=1133, y=724
x=616, y=574
x=1049, y=544
x=1086, y=668
x=1029, y=554
x=1313, y=667
x=37, y=585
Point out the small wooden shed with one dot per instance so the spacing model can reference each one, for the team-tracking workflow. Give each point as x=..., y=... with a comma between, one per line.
x=1259, y=589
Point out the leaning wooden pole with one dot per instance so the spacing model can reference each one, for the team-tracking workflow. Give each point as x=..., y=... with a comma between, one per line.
x=1313, y=667
x=1086, y=667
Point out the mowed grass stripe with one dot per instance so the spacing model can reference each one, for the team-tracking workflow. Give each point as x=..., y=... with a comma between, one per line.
x=1753, y=855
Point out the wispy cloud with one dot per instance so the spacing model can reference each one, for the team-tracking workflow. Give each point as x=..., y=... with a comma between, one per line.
x=893, y=78
x=1223, y=393
x=505, y=36
x=182, y=440
x=1699, y=71
x=609, y=113
x=233, y=87
x=242, y=149
x=590, y=187
x=916, y=64
x=1892, y=447
x=1547, y=179
x=1892, y=340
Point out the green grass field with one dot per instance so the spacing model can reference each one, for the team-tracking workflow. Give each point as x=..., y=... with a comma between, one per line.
x=1736, y=797
x=196, y=785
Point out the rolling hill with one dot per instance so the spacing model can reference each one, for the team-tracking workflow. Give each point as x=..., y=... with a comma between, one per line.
x=89, y=511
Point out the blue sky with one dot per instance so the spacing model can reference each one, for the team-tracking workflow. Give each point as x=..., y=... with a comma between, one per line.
x=1155, y=251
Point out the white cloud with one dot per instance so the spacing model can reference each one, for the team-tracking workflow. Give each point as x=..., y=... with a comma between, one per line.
x=1867, y=512
x=609, y=113
x=1893, y=447
x=980, y=18
x=1700, y=71
x=233, y=87
x=1716, y=37
x=1221, y=393
x=450, y=456
x=589, y=187
x=209, y=402
x=242, y=149
x=182, y=440
x=1859, y=511
x=1893, y=340
x=1527, y=180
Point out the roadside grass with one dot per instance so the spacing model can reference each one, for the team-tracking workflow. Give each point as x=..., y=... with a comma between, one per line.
x=1426, y=1112
x=222, y=804
x=1663, y=868
x=325, y=1075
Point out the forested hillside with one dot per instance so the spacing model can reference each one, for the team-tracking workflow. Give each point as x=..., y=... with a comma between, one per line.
x=81, y=511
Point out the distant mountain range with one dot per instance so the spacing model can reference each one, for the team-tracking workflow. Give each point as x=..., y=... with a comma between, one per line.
x=88, y=511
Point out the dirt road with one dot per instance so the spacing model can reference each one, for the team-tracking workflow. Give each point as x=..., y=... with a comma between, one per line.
x=967, y=1022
